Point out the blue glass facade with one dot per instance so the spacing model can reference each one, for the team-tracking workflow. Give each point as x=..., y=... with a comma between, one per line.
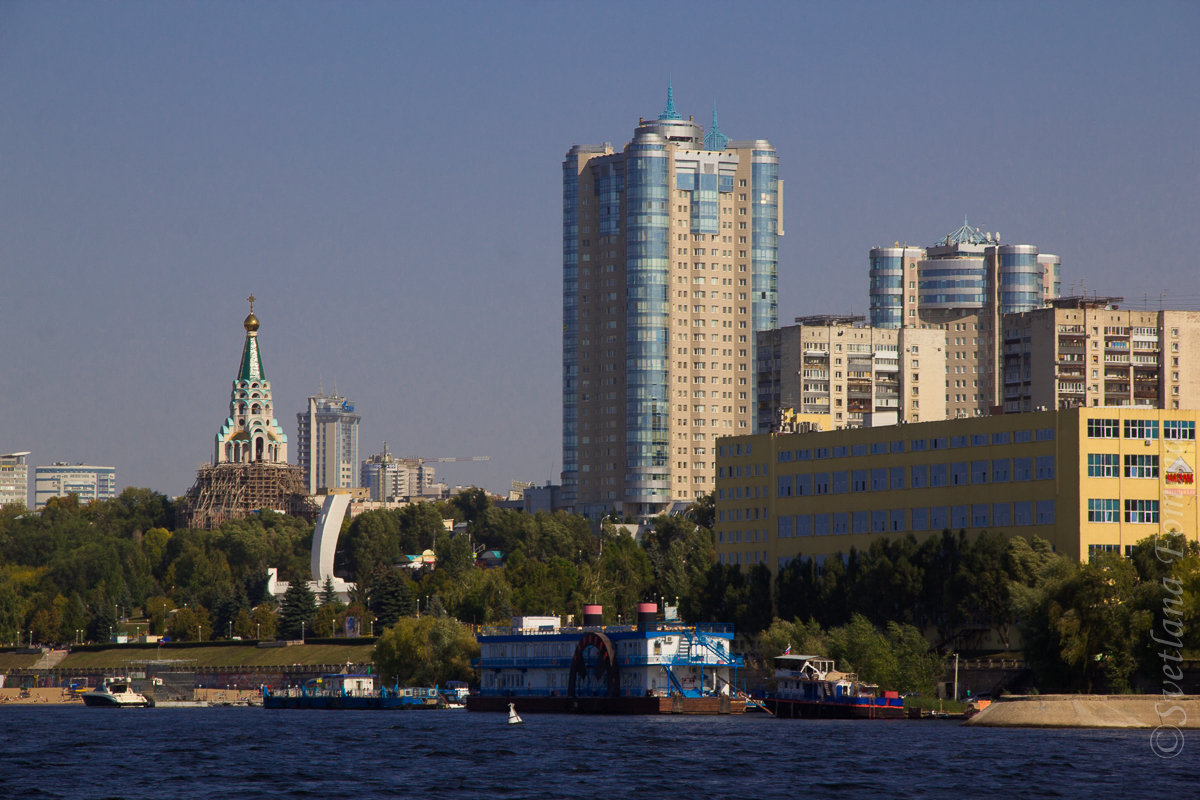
x=952, y=283
x=764, y=253
x=887, y=288
x=647, y=410
x=570, y=354
x=1020, y=277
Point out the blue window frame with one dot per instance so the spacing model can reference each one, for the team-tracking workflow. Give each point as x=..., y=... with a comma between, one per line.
x=1001, y=470
x=1001, y=514
x=979, y=472
x=958, y=473
x=896, y=478
x=920, y=476
x=1045, y=468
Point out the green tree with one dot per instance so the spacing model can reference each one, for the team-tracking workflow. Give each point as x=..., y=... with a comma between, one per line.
x=297, y=610
x=427, y=651
x=190, y=624
x=391, y=597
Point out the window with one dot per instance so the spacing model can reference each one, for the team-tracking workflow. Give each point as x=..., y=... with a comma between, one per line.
x=821, y=483
x=1141, y=466
x=1045, y=512
x=980, y=516
x=1141, y=511
x=1045, y=434
x=979, y=472
x=958, y=473
x=1102, y=429
x=1141, y=429
x=920, y=519
x=920, y=476
x=1022, y=437
x=1179, y=429
x=1045, y=468
x=1000, y=470
x=821, y=525
x=1001, y=514
x=937, y=475
x=1023, y=513
x=860, y=520
x=896, y=478
x=1022, y=469
x=1103, y=509
x=1102, y=465
x=841, y=482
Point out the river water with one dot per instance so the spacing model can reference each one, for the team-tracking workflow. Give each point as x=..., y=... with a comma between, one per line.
x=249, y=753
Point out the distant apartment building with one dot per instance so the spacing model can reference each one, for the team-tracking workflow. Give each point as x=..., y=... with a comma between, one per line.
x=327, y=438
x=14, y=478
x=837, y=366
x=389, y=478
x=1090, y=352
x=1087, y=480
x=963, y=285
x=86, y=482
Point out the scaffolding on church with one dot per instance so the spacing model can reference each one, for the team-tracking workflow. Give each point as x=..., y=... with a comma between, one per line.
x=237, y=490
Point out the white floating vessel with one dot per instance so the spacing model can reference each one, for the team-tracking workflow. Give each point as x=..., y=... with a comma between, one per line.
x=513, y=717
x=115, y=692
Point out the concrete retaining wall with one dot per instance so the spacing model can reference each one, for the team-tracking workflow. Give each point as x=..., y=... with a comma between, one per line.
x=1091, y=711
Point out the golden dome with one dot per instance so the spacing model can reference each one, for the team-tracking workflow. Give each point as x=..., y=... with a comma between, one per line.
x=251, y=321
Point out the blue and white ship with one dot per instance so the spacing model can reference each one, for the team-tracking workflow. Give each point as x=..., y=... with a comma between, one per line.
x=809, y=686
x=656, y=666
x=346, y=691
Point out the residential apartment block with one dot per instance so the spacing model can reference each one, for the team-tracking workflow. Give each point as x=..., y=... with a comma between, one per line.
x=86, y=482
x=14, y=478
x=1090, y=352
x=669, y=270
x=835, y=365
x=389, y=478
x=963, y=285
x=327, y=443
x=1085, y=479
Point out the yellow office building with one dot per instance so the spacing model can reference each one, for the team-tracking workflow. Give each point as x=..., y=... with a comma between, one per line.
x=1085, y=479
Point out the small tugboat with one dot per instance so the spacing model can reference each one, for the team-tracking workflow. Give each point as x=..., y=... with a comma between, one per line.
x=351, y=691
x=115, y=692
x=809, y=687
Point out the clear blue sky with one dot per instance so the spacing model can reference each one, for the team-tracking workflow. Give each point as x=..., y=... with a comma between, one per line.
x=385, y=178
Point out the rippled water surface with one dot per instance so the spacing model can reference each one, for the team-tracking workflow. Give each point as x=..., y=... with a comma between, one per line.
x=72, y=752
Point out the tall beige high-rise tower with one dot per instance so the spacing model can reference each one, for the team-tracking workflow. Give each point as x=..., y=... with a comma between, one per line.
x=669, y=270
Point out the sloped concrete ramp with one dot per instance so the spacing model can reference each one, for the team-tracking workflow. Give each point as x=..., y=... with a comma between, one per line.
x=1091, y=711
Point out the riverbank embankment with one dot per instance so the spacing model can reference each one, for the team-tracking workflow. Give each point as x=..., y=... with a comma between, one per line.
x=1090, y=711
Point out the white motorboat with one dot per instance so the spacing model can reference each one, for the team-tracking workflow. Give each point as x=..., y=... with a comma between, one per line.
x=115, y=692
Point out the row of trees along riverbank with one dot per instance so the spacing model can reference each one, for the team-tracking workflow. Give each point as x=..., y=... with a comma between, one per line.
x=76, y=573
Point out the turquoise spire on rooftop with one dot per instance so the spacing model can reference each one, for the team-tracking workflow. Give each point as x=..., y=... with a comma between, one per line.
x=714, y=139
x=669, y=112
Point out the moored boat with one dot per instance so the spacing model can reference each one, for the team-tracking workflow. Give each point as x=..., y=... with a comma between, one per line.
x=115, y=692
x=352, y=691
x=810, y=687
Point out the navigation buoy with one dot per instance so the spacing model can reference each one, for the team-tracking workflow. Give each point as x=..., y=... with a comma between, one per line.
x=513, y=717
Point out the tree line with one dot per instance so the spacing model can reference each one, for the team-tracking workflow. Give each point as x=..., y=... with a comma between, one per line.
x=79, y=572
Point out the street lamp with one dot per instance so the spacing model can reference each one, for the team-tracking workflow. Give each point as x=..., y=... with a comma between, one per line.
x=230, y=629
x=302, y=630
x=257, y=630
